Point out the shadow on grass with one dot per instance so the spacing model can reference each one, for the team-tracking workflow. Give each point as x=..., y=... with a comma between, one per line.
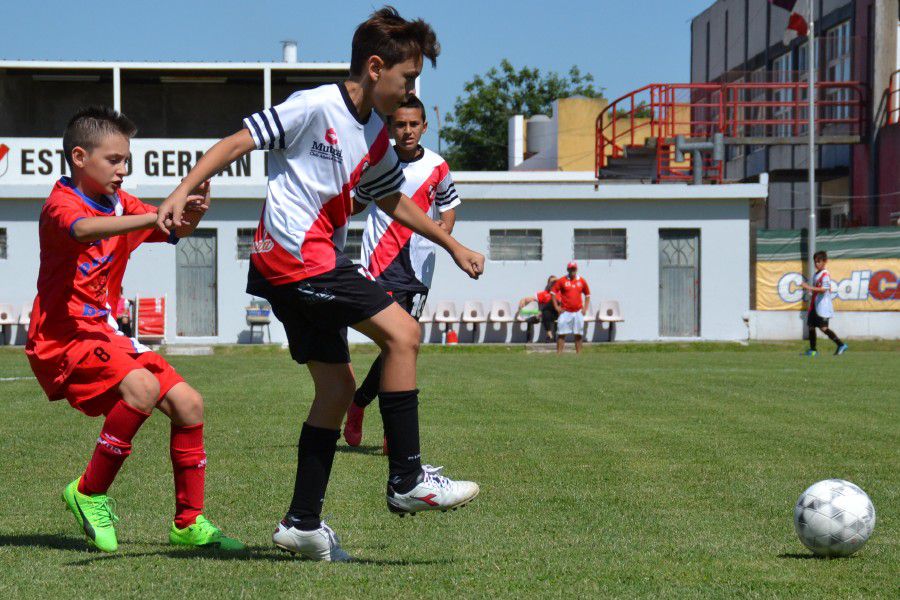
x=372, y=450
x=54, y=542
x=798, y=556
x=251, y=554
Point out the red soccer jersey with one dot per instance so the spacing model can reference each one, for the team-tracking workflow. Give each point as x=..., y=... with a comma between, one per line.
x=78, y=281
x=569, y=292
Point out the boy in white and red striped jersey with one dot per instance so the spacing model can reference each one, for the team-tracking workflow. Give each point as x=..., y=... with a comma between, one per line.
x=401, y=260
x=328, y=149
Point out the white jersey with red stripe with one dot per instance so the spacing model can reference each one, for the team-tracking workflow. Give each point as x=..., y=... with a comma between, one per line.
x=321, y=157
x=398, y=258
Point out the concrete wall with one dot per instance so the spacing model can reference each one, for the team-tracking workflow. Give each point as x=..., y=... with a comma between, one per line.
x=790, y=325
x=724, y=234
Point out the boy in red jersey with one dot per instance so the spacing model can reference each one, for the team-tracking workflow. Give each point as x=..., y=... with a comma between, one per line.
x=88, y=229
x=329, y=147
x=567, y=293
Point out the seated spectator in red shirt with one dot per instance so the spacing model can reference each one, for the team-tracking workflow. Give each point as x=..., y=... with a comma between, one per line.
x=544, y=300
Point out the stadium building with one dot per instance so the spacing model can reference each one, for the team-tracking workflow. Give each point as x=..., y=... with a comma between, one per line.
x=674, y=257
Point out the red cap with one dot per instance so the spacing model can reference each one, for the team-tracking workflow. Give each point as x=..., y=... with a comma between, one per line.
x=572, y=265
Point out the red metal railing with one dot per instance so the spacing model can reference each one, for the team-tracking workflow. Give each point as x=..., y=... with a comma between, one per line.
x=893, y=99
x=658, y=112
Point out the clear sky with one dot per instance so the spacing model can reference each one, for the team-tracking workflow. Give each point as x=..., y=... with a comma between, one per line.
x=623, y=43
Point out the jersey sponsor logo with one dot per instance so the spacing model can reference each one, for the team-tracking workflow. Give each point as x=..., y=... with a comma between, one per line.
x=88, y=266
x=93, y=311
x=432, y=192
x=328, y=150
x=262, y=246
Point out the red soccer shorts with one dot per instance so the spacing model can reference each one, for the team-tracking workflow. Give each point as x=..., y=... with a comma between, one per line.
x=93, y=386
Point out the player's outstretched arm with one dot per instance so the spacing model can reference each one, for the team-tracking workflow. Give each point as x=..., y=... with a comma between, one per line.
x=195, y=209
x=222, y=154
x=91, y=229
x=403, y=210
x=448, y=220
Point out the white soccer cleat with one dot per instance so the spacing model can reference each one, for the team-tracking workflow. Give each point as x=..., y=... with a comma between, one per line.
x=433, y=492
x=319, y=544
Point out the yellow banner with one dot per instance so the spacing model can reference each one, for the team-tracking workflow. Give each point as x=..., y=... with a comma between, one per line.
x=862, y=284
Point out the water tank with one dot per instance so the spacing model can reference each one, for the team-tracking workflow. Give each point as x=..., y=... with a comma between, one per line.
x=539, y=134
x=289, y=51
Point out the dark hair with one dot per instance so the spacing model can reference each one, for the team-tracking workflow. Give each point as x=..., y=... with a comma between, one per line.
x=550, y=281
x=392, y=38
x=412, y=101
x=90, y=125
x=820, y=255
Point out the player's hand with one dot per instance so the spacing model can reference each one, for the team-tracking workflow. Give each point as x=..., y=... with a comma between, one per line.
x=171, y=210
x=469, y=261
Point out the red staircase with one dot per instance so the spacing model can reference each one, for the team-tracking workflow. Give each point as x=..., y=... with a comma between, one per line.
x=644, y=123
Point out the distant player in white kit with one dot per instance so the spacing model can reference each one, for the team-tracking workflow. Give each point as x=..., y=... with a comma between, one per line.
x=403, y=261
x=820, y=306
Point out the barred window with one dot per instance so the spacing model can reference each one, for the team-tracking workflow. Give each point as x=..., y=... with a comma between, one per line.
x=516, y=244
x=600, y=244
x=353, y=245
x=245, y=242
x=3, y=242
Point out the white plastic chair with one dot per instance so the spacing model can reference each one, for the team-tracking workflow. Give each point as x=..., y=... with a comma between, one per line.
x=473, y=314
x=25, y=315
x=445, y=314
x=427, y=315
x=608, y=311
x=7, y=318
x=501, y=312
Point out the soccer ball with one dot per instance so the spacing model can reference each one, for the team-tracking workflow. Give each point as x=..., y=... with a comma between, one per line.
x=834, y=518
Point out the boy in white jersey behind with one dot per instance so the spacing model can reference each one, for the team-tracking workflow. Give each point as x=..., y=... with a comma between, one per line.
x=820, y=306
x=328, y=149
x=403, y=261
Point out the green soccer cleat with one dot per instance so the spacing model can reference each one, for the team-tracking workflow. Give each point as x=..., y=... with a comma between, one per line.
x=810, y=353
x=95, y=516
x=203, y=534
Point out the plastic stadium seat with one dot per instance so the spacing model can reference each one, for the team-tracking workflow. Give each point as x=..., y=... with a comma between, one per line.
x=25, y=315
x=609, y=312
x=7, y=318
x=445, y=313
x=427, y=315
x=473, y=312
x=501, y=312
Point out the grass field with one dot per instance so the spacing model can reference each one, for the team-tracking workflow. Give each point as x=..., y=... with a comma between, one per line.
x=630, y=471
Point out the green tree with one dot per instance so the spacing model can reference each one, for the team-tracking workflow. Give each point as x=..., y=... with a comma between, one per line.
x=476, y=130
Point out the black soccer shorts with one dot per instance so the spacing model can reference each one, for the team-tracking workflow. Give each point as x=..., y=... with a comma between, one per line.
x=316, y=311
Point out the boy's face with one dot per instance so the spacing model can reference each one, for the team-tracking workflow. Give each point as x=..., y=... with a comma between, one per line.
x=104, y=167
x=407, y=127
x=394, y=84
x=572, y=273
x=820, y=263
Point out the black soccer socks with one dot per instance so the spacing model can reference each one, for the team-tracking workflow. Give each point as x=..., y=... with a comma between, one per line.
x=315, y=455
x=400, y=414
x=834, y=338
x=812, y=339
x=369, y=388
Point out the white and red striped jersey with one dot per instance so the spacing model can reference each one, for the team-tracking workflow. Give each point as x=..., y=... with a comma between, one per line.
x=398, y=258
x=321, y=156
